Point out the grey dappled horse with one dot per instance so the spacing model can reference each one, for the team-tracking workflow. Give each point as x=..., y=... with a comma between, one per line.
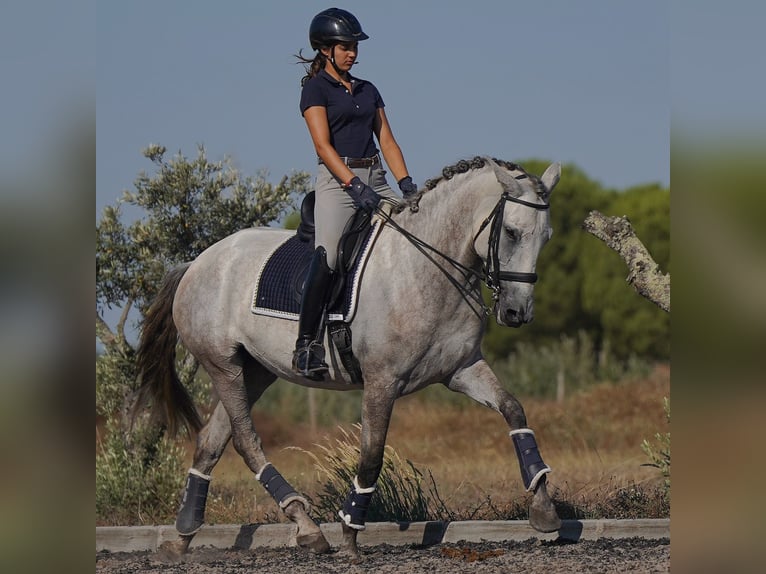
x=419, y=321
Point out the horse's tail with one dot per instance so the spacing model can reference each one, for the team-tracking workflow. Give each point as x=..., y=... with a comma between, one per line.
x=171, y=405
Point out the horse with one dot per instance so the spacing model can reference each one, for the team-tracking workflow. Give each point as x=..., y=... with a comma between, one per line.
x=419, y=322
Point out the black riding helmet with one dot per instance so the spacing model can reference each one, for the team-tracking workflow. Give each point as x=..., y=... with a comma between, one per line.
x=333, y=26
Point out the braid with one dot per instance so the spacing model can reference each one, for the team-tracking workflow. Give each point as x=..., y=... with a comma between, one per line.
x=476, y=163
x=460, y=167
x=312, y=66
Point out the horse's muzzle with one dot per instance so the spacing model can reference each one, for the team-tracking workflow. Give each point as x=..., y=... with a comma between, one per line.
x=511, y=317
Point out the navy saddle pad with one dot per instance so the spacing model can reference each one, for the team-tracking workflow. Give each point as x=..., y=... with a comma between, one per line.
x=280, y=280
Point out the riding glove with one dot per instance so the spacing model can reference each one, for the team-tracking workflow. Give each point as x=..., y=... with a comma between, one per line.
x=363, y=195
x=408, y=188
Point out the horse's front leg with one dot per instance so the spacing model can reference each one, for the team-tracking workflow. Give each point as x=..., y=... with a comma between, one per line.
x=481, y=384
x=377, y=406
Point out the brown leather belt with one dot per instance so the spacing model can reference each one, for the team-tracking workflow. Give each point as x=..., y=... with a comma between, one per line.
x=357, y=162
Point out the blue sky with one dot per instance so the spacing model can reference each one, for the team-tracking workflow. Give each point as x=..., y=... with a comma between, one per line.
x=584, y=82
x=718, y=84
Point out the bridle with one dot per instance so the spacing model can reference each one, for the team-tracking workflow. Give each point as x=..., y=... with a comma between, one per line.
x=490, y=274
x=491, y=270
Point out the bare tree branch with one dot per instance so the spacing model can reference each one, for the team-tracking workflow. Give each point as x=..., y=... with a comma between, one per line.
x=104, y=333
x=123, y=318
x=644, y=273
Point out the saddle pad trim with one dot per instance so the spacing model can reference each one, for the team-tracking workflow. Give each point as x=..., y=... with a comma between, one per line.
x=377, y=225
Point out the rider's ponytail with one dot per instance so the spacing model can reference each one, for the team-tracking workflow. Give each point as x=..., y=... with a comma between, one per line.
x=312, y=66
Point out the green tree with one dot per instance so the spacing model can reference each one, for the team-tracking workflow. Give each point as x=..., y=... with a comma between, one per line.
x=186, y=205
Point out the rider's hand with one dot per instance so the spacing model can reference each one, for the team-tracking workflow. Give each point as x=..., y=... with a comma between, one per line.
x=363, y=195
x=408, y=188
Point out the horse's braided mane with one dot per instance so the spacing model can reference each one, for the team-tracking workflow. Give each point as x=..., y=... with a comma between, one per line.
x=476, y=163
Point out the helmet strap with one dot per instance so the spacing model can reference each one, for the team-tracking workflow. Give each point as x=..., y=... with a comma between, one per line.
x=340, y=72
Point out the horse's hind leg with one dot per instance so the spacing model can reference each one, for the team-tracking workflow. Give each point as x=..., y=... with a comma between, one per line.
x=211, y=443
x=232, y=392
x=480, y=383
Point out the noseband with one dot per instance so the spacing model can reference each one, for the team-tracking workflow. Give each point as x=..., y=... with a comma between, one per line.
x=492, y=273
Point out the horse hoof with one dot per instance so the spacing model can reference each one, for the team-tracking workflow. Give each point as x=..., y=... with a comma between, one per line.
x=173, y=550
x=351, y=555
x=316, y=543
x=544, y=519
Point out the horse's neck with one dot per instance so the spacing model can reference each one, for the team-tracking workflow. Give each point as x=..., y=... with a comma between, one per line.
x=448, y=214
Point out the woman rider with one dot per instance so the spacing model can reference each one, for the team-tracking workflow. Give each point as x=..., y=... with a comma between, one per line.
x=342, y=114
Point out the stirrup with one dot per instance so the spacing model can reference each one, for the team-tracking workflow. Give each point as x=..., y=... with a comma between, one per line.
x=308, y=360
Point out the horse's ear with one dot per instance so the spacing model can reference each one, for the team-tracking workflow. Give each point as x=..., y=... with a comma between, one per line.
x=551, y=176
x=508, y=182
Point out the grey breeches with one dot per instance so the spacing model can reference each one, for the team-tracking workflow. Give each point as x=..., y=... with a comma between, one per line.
x=333, y=207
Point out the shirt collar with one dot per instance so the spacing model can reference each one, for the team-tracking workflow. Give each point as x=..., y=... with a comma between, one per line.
x=329, y=78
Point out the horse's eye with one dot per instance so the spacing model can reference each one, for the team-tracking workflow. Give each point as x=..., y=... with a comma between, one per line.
x=513, y=234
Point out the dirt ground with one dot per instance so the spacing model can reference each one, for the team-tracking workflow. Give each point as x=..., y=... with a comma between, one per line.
x=532, y=556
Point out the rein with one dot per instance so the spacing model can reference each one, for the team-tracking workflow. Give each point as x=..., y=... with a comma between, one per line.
x=490, y=274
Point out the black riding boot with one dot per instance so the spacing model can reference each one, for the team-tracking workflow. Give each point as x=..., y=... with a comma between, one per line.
x=308, y=358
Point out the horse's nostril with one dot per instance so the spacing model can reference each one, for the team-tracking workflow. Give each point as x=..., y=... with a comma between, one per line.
x=517, y=316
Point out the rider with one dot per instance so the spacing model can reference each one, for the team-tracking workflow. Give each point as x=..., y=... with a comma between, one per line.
x=342, y=113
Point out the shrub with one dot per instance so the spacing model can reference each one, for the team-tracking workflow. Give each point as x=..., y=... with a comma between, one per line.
x=569, y=364
x=659, y=452
x=138, y=477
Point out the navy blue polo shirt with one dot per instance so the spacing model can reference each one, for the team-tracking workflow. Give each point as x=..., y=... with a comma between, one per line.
x=350, y=116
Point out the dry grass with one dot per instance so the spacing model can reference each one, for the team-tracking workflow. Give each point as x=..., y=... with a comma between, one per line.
x=592, y=441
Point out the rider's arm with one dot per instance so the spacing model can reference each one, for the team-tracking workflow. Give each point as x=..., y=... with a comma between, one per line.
x=392, y=153
x=319, y=128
